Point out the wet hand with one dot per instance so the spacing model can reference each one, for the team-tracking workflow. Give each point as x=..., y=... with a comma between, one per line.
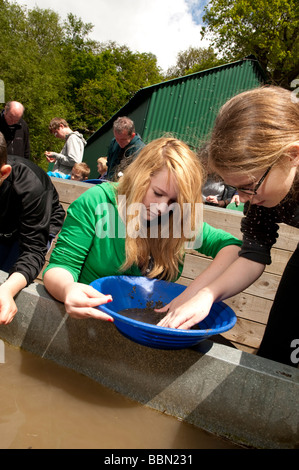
x=187, y=314
x=8, y=307
x=81, y=301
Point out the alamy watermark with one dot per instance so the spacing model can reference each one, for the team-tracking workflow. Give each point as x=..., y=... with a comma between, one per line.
x=295, y=353
x=2, y=352
x=159, y=220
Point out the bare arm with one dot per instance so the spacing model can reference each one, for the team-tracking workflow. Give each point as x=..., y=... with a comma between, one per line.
x=79, y=299
x=11, y=287
x=226, y=276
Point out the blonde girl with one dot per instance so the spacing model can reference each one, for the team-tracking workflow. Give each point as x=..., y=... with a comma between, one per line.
x=119, y=228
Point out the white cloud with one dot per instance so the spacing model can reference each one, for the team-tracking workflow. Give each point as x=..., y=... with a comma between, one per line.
x=163, y=27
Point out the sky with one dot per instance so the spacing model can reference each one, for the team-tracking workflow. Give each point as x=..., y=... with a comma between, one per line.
x=162, y=27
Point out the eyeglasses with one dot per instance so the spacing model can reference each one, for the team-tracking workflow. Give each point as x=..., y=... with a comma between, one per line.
x=253, y=192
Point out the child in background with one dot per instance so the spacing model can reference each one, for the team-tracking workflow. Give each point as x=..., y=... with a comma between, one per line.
x=80, y=172
x=72, y=151
x=102, y=167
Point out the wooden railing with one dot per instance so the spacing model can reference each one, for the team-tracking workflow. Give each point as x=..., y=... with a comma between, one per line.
x=251, y=306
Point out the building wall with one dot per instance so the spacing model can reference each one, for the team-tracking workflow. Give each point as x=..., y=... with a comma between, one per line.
x=185, y=107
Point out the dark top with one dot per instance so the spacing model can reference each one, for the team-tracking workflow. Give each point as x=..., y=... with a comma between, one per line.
x=29, y=212
x=260, y=228
x=16, y=136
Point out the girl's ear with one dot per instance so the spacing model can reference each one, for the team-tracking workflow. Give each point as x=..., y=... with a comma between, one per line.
x=293, y=153
x=5, y=171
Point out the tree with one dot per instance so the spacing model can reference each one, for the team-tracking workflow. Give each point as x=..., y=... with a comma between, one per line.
x=104, y=80
x=55, y=69
x=269, y=29
x=31, y=62
x=193, y=60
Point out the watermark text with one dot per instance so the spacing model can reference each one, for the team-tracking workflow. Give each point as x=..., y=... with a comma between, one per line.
x=156, y=221
x=295, y=353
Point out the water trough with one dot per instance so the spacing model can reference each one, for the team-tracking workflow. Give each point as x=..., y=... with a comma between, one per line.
x=233, y=394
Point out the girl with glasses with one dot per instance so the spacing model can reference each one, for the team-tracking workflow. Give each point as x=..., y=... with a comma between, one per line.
x=254, y=147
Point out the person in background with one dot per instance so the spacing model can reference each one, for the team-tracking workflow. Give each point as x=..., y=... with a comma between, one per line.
x=30, y=218
x=15, y=129
x=102, y=167
x=262, y=164
x=126, y=144
x=80, y=172
x=103, y=236
x=72, y=151
x=215, y=192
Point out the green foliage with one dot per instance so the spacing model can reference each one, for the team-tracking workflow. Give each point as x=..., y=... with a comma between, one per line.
x=104, y=80
x=54, y=69
x=194, y=60
x=31, y=63
x=269, y=29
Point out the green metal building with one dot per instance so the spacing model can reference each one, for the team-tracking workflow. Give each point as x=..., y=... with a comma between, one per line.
x=184, y=107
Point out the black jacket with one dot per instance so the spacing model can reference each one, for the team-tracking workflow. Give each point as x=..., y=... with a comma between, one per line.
x=16, y=136
x=30, y=212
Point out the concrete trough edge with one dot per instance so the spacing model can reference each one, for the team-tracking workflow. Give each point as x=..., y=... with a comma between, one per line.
x=230, y=393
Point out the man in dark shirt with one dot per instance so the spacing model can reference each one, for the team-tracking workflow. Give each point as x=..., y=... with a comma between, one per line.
x=126, y=143
x=30, y=217
x=15, y=129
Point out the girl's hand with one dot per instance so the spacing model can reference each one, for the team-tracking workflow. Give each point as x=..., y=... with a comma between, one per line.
x=8, y=307
x=184, y=315
x=81, y=301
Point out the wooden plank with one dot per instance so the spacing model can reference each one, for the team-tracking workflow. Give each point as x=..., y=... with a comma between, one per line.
x=288, y=237
x=250, y=307
x=265, y=286
x=224, y=219
x=246, y=333
x=230, y=221
x=279, y=260
x=70, y=190
x=245, y=305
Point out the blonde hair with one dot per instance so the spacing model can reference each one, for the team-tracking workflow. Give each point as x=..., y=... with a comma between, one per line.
x=83, y=168
x=254, y=130
x=103, y=161
x=177, y=157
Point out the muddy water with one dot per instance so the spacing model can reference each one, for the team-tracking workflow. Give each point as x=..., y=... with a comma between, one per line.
x=146, y=315
x=46, y=406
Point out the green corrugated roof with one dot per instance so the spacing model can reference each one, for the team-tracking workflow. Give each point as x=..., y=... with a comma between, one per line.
x=185, y=107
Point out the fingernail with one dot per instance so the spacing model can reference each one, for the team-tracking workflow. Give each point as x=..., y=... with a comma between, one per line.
x=109, y=300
